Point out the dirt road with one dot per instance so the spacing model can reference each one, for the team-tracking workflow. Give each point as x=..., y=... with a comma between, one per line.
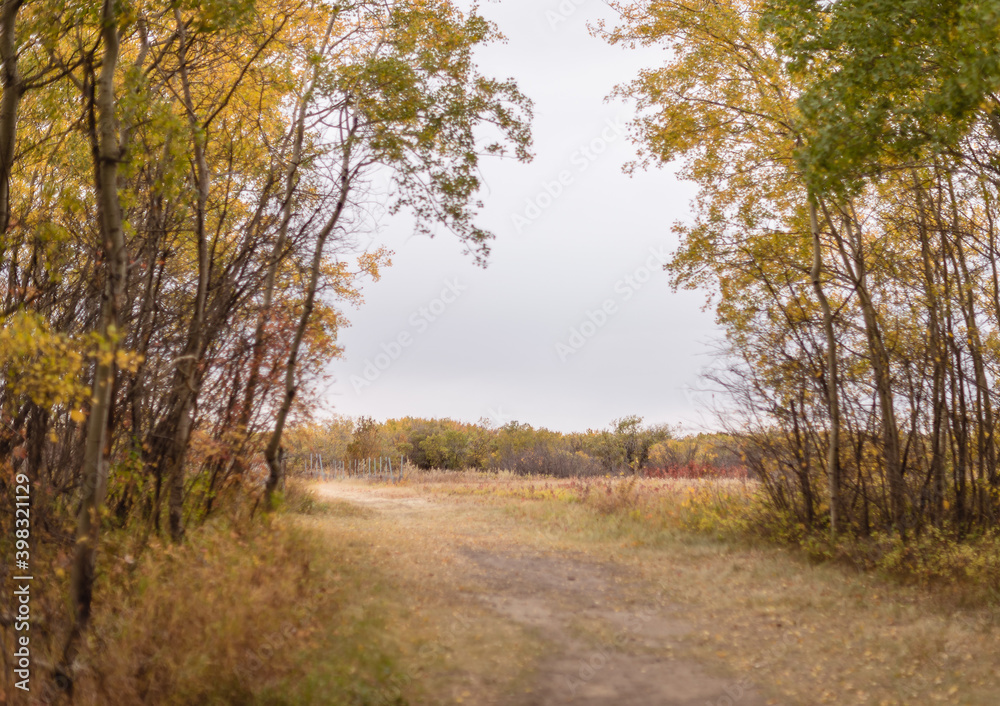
x=606, y=638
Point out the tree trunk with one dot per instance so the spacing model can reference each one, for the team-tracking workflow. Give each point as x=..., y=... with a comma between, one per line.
x=832, y=381
x=939, y=358
x=9, y=104
x=186, y=378
x=106, y=156
x=858, y=272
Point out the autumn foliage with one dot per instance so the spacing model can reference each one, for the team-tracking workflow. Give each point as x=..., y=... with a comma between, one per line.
x=845, y=156
x=183, y=193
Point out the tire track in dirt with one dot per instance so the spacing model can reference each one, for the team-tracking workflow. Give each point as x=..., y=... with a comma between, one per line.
x=605, y=648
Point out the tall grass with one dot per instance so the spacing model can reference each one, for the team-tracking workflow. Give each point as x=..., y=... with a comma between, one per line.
x=648, y=511
x=248, y=610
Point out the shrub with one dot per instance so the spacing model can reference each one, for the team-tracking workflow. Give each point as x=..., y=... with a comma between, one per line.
x=698, y=470
x=558, y=463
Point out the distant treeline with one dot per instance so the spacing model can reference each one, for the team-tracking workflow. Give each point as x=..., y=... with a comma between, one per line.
x=626, y=446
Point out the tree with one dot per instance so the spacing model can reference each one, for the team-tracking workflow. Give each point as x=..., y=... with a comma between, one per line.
x=889, y=83
x=408, y=99
x=100, y=101
x=179, y=212
x=845, y=223
x=882, y=79
x=364, y=441
x=633, y=442
x=726, y=103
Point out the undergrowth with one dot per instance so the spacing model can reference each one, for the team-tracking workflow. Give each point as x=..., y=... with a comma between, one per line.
x=247, y=610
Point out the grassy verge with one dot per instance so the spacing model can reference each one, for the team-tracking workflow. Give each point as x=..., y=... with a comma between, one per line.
x=303, y=607
x=237, y=615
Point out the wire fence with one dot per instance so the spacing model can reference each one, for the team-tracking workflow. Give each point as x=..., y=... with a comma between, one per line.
x=377, y=469
x=316, y=466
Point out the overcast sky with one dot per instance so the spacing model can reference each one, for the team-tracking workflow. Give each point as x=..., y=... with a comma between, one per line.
x=573, y=323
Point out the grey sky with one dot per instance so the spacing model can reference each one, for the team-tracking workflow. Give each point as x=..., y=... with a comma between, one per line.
x=573, y=323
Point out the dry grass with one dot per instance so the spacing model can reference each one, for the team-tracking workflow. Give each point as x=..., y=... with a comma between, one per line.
x=647, y=511
x=234, y=616
x=309, y=607
x=346, y=602
x=452, y=648
x=414, y=475
x=806, y=633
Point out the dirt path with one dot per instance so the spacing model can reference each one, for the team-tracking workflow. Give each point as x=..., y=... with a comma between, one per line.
x=606, y=642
